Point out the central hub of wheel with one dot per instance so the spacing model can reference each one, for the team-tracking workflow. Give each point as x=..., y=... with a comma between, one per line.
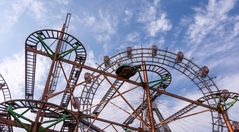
x=126, y=71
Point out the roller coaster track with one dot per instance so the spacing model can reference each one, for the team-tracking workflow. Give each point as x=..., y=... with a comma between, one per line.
x=6, y=96
x=35, y=42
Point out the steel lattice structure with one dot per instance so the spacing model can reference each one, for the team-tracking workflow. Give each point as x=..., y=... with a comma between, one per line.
x=70, y=102
x=6, y=96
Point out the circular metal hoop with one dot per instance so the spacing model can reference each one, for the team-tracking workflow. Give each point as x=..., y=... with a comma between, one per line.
x=162, y=58
x=87, y=97
x=51, y=111
x=35, y=44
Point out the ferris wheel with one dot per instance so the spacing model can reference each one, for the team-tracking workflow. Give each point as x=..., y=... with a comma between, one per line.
x=130, y=91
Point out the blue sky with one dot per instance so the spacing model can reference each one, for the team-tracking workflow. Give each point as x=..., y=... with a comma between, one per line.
x=205, y=30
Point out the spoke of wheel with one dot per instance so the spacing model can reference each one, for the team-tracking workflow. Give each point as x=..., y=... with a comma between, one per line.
x=149, y=103
x=52, y=43
x=75, y=86
x=44, y=45
x=114, y=127
x=87, y=67
x=64, y=73
x=112, y=98
x=112, y=85
x=65, y=76
x=110, y=122
x=91, y=123
x=50, y=95
x=196, y=113
x=184, y=99
x=106, y=127
x=119, y=107
x=116, y=106
x=128, y=112
x=65, y=53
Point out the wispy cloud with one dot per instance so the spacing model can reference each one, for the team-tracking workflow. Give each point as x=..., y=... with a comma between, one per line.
x=229, y=82
x=103, y=26
x=128, y=15
x=17, y=9
x=208, y=18
x=12, y=69
x=162, y=24
x=38, y=9
x=64, y=2
x=133, y=37
x=212, y=33
x=155, y=19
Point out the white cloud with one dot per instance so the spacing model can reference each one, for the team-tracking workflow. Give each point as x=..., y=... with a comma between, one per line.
x=64, y=2
x=133, y=37
x=12, y=69
x=229, y=82
x=148, y=14
x=156, y=2
x=38, y=9
x=103, y=23
x=155, y=20
x=11, y=15
x=90, y=20
x=162, y=24
x=107, y=24
x=213, y=34
x=17, y=9
x=102, y=38
x=128, y=15
x=103, y=26
x=207, y=19
x=91, y=59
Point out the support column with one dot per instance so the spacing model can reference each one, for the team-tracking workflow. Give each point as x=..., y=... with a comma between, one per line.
x=226, y=119
x=149, y=103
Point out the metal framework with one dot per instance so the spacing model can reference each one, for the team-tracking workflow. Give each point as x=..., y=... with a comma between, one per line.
x=230, y=99
x=6, y=94
x=69, y=102
x=164, y=58
x=56, y=114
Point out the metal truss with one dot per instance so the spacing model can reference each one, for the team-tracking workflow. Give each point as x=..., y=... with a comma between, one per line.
x=35, y=41
x=162, y=58
x=54, y=114
x=6, y=96
x=78, y=112
x=229, y=99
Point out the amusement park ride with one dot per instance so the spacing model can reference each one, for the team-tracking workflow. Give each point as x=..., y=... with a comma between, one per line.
x=69, y=102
